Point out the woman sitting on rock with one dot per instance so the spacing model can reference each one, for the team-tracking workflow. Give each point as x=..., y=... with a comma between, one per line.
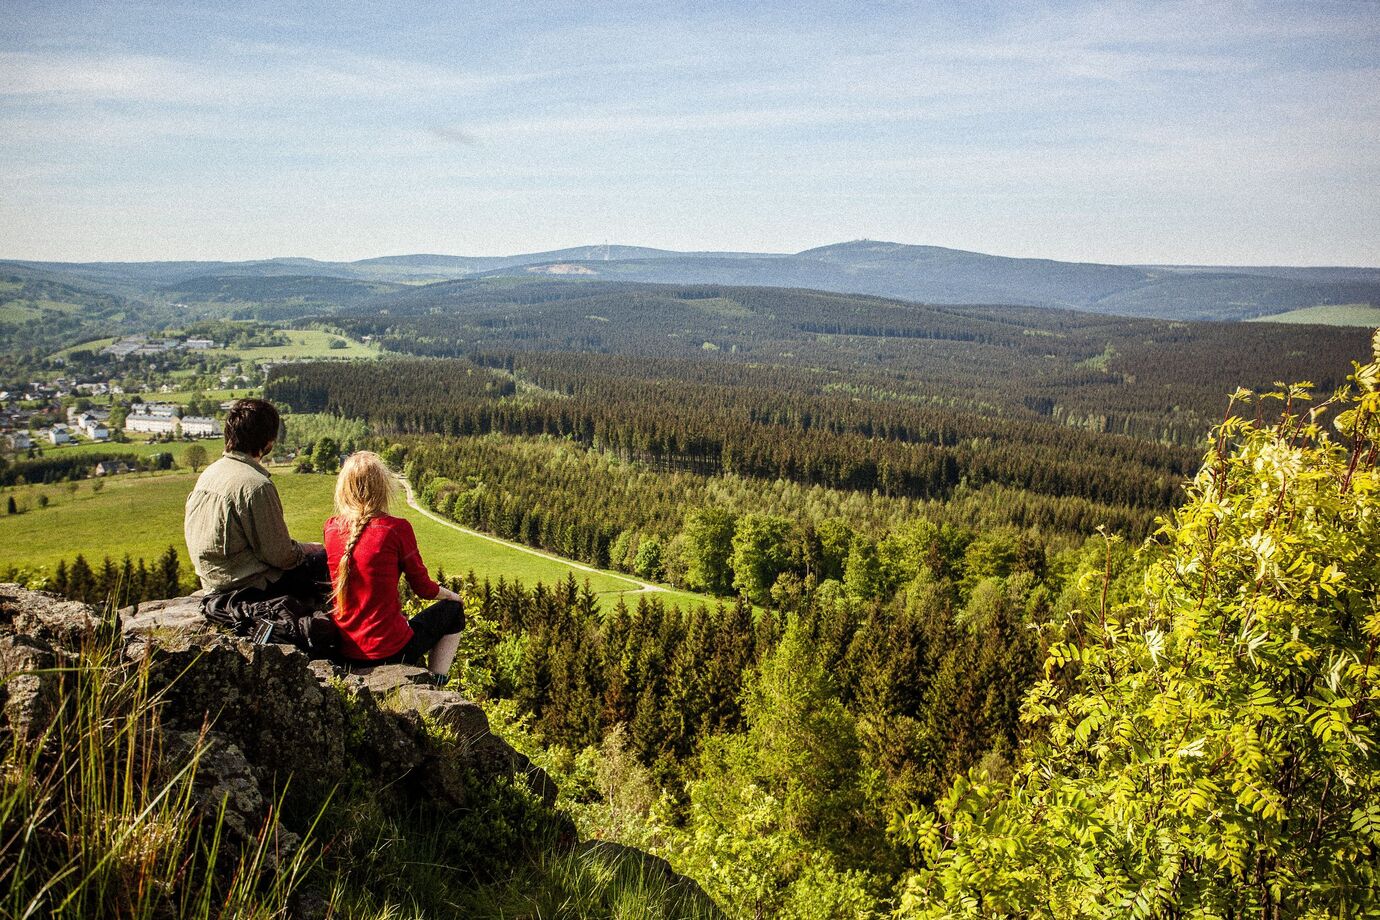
x=367, y=549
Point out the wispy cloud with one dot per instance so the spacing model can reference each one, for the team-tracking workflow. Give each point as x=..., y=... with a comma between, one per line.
x=894, y=119
x=256, y=75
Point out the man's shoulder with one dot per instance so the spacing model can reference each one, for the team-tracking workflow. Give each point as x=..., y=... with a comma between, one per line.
x=231, y=475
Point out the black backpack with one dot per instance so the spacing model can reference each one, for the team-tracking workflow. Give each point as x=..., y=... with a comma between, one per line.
x=288, y=620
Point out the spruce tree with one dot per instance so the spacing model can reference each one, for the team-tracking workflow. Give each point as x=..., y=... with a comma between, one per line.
x=169, y=574
x=81, y=583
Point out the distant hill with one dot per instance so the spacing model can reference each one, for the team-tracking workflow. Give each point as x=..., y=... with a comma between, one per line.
x=272, y=297
x=42, y=311
x=933, y=274
x=927, y=274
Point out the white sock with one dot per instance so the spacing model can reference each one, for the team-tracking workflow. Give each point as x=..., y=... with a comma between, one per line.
x=443, y=653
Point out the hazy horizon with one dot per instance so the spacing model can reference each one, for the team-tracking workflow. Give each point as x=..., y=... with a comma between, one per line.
x=397, y=255
x=1127, y=133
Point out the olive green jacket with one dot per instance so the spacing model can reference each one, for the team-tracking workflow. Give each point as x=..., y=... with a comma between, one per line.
x=234, y=526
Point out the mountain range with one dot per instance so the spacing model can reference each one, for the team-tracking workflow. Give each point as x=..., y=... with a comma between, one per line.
x=928, y=274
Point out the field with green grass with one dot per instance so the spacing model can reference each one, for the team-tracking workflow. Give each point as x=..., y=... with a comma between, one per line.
x=141, y=515
x=182, y=397
x=1348, y=314
x=306, y=343
x=142, y=448
x=17, y=311
x=90, y=345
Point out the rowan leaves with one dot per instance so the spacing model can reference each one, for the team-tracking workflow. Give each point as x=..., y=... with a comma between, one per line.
x=1215, y=754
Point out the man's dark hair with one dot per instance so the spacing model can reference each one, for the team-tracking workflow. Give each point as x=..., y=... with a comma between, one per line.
x=250, y=425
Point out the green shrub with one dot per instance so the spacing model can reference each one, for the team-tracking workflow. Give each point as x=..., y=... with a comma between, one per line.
x=1207, y=749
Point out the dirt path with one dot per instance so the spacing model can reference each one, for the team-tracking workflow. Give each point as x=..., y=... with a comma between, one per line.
x=643, y=587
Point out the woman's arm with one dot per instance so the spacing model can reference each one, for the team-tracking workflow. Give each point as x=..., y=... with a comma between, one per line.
x=414, y=569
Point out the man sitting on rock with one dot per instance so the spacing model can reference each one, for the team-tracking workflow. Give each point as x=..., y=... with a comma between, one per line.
x=235, y=531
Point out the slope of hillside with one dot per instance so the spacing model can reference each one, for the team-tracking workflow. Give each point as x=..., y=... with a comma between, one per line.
x=271, y=297
x=933, y=274
x=1160, y=380
x=43, y=311
x=158, y=766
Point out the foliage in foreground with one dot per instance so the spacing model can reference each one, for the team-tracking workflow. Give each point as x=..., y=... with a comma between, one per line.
x=1209, y=749
x=95, y=820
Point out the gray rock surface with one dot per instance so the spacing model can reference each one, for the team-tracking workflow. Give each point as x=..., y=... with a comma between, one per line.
x=224, y=778
x=264, y=723
x=66, y=624
x=31, y=690
x=176, y=614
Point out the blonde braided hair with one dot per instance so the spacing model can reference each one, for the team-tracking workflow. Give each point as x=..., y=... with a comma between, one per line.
x=362, y=492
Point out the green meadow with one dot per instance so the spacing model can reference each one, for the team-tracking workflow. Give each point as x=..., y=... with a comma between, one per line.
x=1347, y=314
x=136, y=446
x=89, y=345
x=141, y=514
x=306, y=343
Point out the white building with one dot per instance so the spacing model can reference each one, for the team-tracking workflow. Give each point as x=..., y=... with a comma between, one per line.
x=151, y=424
x=79, y=418
x=96, y=430
x=200, y=344
x=200, y=426
x=156, y=410
x=20, y=440
x=59, y=434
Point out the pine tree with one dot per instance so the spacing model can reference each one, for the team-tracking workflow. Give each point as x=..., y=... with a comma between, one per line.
x=169, y=577
x=81, y=583
x=107, y=583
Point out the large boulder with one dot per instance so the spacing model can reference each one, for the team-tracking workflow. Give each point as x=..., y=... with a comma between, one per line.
x=317, y=722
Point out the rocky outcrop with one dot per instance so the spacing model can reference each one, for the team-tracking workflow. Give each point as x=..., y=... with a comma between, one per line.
x=38, y=634
x=317, y=723
x=264, y=722
x=269, y=734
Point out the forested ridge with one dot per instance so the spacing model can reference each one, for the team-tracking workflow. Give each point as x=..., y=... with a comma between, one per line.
x=931, y=274
x=757, y=425
x=1157, y=380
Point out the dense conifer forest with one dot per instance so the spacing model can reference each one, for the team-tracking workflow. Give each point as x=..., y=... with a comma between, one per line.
x=927, y=589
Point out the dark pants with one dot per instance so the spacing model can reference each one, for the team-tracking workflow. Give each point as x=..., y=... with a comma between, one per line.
x=310, y=582
x=286, y=610
x=440, y=619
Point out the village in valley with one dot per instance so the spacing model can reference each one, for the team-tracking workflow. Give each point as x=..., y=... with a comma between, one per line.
x=50, y=414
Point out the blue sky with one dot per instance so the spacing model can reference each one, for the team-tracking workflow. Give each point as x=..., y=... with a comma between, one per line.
x=1121, y=132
